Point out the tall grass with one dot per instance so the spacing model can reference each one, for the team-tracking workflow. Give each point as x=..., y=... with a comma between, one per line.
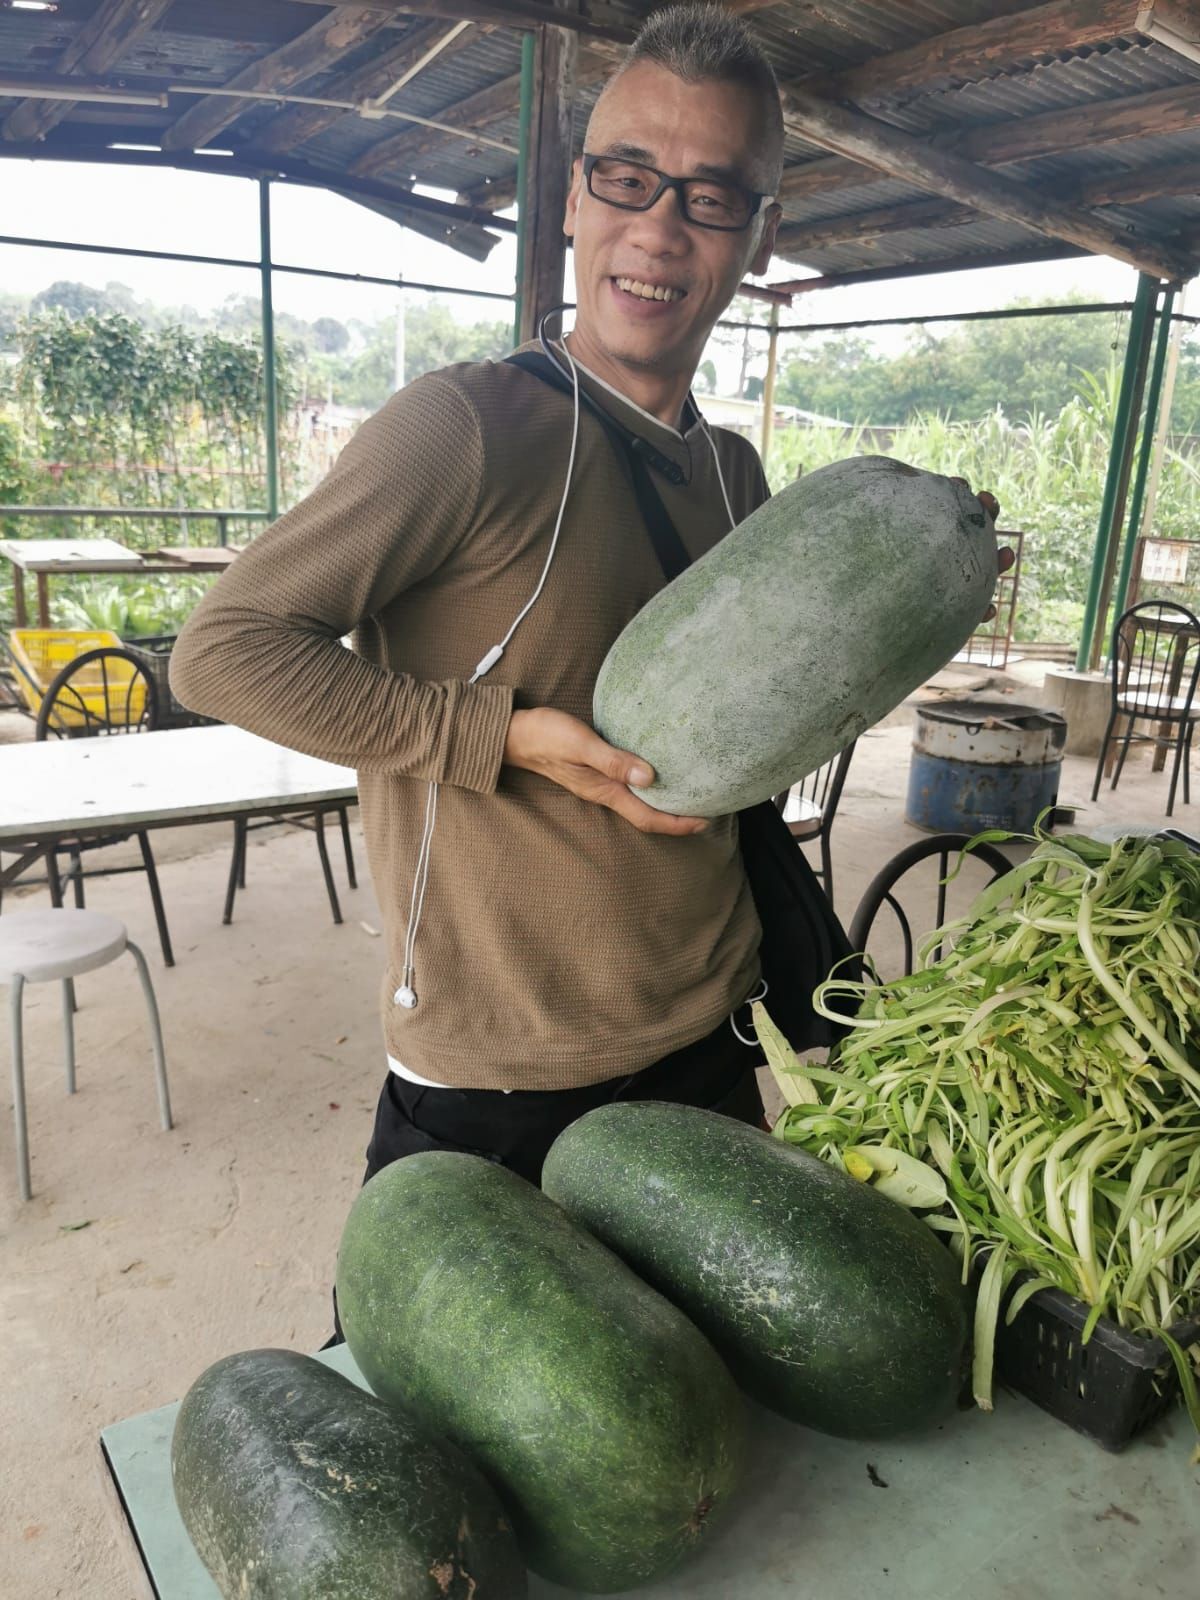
x=1047, y=472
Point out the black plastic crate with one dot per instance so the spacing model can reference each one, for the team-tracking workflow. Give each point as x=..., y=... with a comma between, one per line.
x=1110, y=1388
x=154, y=654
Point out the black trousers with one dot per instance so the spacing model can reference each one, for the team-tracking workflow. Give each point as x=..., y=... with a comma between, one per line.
x=516, y=1130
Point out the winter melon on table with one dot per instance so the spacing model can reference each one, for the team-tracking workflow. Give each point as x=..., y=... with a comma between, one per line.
x=295, y=1484
x=832, y=1304
x=804, y=626
x=606, y=1421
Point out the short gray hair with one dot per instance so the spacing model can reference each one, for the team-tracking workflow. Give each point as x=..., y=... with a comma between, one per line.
x=700, y=43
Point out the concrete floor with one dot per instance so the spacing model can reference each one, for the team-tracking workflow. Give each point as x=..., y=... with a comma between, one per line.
x=146, y=1255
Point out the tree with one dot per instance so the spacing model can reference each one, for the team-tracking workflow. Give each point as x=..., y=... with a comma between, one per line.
x=76, y=299
x=330, y=336
x=1027, y=366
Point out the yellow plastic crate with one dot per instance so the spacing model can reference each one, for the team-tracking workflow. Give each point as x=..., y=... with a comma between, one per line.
x=39, y=654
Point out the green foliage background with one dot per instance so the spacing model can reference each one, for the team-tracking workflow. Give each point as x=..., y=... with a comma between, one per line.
x=107, y=400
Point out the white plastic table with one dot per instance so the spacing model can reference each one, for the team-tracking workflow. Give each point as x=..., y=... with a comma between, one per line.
x=65, y=788
x=1012, y=1506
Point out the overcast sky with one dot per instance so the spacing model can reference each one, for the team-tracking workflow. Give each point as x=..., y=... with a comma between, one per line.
x=152, y=209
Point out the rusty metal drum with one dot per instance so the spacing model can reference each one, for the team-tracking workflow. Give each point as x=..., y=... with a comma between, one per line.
x=983, y=764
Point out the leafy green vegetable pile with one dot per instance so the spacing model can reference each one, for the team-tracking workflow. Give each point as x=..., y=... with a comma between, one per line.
x=1035, y=1090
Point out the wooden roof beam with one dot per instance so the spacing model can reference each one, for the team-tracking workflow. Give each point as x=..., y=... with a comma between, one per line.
x=920, y=269
x=596, y=60
x=100, y=42
x=981, y=50
x=473, y=113
x=996, y=144
x=860, y=227
x=343, y=29
x=292, y=127
x=937, y=171
x=593, y=18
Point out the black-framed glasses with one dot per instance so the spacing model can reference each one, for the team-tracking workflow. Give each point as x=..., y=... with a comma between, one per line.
x=705, y=202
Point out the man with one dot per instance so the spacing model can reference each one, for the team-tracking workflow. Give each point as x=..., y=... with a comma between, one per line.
x=554, y=941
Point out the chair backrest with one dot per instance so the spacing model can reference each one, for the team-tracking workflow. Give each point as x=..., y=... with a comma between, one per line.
x=100, y=692
x=822, y=789
x=1155, y=660
x=983, y=865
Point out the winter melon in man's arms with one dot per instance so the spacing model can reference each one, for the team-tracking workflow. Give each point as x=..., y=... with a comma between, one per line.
x=810, y=621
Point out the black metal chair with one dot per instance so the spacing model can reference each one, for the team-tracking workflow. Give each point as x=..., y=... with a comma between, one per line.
x=153, y=651
x=1154, y=664
x=101, y=693
x=813, y=804
x=314, y=819
x=882, y=889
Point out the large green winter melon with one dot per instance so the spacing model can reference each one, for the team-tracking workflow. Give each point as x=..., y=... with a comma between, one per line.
x=832, y=1304
x=607, y=1422
x=804, y=626
x=295, y=1484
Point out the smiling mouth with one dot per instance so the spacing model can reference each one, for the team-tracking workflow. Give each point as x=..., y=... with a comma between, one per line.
x=649, y=291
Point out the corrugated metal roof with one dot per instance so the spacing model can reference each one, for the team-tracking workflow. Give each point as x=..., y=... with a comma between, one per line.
x=210, y=41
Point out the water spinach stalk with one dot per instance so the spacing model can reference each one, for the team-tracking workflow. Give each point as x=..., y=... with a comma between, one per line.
x=1033, y=1088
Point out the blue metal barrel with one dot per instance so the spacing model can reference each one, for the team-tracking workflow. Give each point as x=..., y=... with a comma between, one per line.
x=983, y=764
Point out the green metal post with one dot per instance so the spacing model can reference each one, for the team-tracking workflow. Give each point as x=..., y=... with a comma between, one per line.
x=1118, y=461
x=1149, y=425
x=270, y=397
x=528, y=46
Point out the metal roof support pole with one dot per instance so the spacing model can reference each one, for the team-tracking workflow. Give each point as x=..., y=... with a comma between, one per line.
x=528, y=46
x=270, y=396
x=1120, y=454
x=1100, y=634
x=1165, y=405
x=1149, y=429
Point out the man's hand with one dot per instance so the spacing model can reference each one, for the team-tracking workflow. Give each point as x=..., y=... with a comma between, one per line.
x=1005, y=556
x=574, y=756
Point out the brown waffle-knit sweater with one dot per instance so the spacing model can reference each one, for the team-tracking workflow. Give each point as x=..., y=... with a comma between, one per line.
x=558, y=945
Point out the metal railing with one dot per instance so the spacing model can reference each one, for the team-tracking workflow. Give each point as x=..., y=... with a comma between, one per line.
x=184, y=514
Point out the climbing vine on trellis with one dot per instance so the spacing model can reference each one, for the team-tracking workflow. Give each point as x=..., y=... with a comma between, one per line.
x=109, y=412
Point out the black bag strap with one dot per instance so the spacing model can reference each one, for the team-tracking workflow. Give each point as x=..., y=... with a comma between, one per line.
x=664, y=536
x=802, y=938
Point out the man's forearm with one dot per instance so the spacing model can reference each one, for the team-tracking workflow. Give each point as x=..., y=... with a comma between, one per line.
x=304, y=689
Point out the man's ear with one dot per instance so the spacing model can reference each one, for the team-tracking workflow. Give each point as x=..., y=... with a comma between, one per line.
x=573, y=199
x=761, y=259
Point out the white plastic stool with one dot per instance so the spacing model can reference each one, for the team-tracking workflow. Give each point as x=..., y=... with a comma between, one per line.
x=45, y=946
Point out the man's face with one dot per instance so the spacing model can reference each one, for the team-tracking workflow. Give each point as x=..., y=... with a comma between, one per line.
x=687, y=130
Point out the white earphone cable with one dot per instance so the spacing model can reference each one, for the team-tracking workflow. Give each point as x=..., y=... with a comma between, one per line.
x=406, y=994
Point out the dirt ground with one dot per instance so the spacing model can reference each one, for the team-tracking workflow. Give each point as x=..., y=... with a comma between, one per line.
x=145, y=1255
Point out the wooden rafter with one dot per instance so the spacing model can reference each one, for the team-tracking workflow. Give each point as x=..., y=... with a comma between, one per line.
x=290, y=128
x=920, y=269
x=1113, y=188
x=594, y=18
x=911, y=160
x=497, y=195
x=463, y=228
x=1051, y=133
x=596, y=59
x=99, y=44
x=982, y=50
x=343, y=29
x=473, y=113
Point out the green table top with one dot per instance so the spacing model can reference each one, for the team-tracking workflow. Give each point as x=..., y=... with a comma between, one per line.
x=1012, y=1506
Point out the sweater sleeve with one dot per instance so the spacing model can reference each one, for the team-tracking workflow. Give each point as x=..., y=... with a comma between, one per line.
x=263, y=649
